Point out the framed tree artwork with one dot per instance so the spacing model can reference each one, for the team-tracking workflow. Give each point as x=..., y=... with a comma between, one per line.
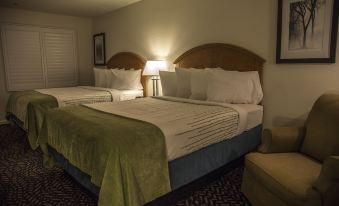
x=307, y=31
x=99, y=49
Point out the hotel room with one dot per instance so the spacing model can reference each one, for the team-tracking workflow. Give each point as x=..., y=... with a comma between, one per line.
x=169, y=102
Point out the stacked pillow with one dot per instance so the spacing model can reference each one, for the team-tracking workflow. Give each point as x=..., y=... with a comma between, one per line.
x=100, y=77
x=213, y=85
x=168, y=83
x=126, y=79
x=183, y=82
x=118, y=78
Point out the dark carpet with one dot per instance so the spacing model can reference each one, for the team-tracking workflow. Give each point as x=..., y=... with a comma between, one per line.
x=24, y=181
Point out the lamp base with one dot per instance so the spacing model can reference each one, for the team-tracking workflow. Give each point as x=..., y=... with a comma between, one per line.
x=155, y=80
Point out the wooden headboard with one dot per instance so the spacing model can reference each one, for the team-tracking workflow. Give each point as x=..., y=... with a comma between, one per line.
x=225, y=56
x=128, y=60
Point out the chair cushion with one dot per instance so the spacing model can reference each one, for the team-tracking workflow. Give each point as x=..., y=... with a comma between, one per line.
x=287, y=175
x=322, y=128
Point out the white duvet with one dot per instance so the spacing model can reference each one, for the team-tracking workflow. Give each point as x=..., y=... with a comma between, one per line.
x=188, y=125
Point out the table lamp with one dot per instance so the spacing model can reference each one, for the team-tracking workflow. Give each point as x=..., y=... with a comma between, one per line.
x=152, y=68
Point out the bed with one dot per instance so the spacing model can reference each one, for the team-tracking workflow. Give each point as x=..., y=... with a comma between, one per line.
x=27, y=108
x=120, y=153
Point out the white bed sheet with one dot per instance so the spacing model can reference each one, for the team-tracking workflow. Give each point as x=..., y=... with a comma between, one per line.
x=254, y=114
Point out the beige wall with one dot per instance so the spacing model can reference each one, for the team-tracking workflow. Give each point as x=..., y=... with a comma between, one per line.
x=167, y=28
x=83, y=27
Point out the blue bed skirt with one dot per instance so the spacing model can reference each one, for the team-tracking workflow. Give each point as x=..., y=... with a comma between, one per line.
x=188, y=168
x=197, y=164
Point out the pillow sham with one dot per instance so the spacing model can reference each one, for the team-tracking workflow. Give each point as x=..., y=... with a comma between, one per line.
x=126, y=79
x=168, y=83
x=100, y=77
x=257, y=94
x=199, y=84
x=224, y=87
x=183, y=82
x=110, y=77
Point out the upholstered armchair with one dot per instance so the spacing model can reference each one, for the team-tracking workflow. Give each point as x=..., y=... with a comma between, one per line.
x=297, y=166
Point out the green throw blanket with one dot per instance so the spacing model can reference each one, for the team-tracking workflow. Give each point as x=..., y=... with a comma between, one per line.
x=30, y=107
x=125, y=157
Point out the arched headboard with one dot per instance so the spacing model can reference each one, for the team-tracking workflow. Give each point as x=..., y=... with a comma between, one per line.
x=225, y=56
x=128, y=60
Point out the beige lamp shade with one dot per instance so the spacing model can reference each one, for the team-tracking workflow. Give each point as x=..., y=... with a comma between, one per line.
x=153, y=67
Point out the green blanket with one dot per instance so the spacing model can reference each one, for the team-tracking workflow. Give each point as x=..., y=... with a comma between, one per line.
x=125, y=157
x=30, y=107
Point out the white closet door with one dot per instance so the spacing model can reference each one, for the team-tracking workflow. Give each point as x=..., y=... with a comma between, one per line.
x=60, y=58
x=23, y=58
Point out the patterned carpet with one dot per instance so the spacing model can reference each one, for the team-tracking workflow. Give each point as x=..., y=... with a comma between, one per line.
x=23, y=180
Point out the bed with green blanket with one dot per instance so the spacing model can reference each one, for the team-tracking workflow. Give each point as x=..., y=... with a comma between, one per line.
x=127, y=158
x=27, y=108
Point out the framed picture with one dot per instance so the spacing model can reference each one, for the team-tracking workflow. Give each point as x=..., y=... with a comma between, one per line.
x=307, y=31
x=99, y=49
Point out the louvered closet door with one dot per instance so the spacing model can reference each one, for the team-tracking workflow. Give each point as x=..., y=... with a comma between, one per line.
x=60, y=58
x=23, y=58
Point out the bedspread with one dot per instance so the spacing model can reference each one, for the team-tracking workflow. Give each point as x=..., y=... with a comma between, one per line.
x=188, y=125
x=30, y=106
x=18, y=101
x=125, y=157
x=35, y=105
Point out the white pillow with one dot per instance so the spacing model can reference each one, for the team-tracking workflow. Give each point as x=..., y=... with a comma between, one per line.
x=257, y=93
x=100, y=77
x=110, y=77
x=168, y=83
x=183, y=82
x=126, y=79
x=199, y=84
x=224, y=87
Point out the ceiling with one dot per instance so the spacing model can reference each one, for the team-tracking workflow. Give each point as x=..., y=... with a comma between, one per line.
x=85, y=8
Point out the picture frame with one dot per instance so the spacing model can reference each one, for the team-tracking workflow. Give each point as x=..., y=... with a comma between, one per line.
x=307, y=31
x=99, y=49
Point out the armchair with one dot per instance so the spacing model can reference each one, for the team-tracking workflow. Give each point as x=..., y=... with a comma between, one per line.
x=297, y=166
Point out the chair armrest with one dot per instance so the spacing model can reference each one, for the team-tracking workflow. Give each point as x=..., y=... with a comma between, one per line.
x=281, y=139
x=328, y=181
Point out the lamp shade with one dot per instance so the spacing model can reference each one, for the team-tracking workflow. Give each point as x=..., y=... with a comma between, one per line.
x=153, y=67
